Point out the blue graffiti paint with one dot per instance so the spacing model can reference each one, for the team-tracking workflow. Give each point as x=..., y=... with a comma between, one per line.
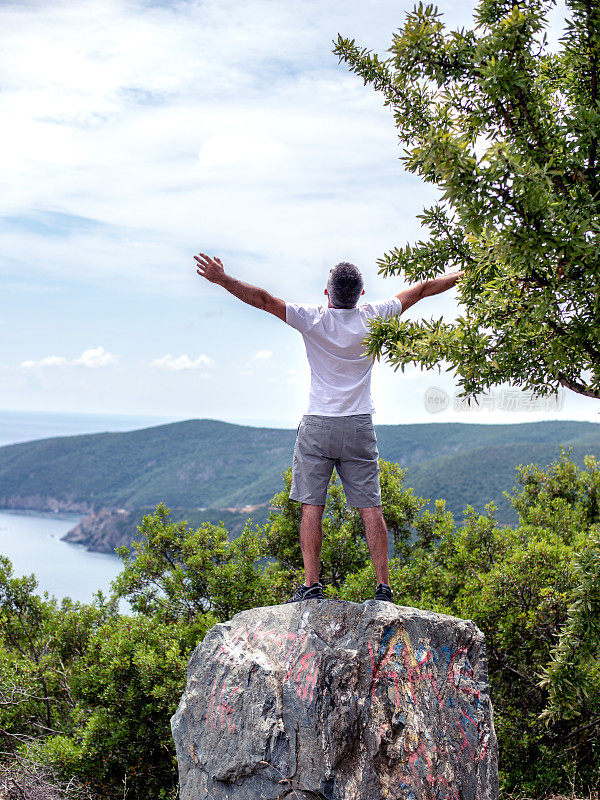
x=411, y=794
x=466, y=719
x=420, y=764
x=448, y=652
x=387, y=635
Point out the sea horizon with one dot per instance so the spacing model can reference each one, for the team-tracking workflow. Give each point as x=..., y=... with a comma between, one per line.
x=26, y=426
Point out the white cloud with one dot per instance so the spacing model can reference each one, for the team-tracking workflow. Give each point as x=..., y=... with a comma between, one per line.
x=240, y=147
x=92, y=358
x=256, y=362
x=262, y=356
x=182, y=362
x=48, y=361
x=224, y=125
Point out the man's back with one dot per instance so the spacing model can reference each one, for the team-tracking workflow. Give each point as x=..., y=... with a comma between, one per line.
x=337, y=431
x=340, y=370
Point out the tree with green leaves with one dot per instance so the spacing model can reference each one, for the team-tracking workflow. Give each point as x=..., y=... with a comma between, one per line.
x=191, y=577
x=509, y=133
x=86, y=695
x=41, y=643
x=126, y=688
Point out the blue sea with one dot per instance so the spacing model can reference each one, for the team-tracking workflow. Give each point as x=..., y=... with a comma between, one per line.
x=25, y=426
x=32, y=541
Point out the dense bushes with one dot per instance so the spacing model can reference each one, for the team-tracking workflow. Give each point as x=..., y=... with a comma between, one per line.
x=88, y=692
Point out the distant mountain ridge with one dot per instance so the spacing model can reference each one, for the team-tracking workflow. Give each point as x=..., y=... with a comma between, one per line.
x=207, y=465
x=195, y=463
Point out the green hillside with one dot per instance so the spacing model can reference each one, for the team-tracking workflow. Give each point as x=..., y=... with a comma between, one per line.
x=482, y=474
x=473, y=464
x=195, y=463
x=418, y=443
x=210, y=464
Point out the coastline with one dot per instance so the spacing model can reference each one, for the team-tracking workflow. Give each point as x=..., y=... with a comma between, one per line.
x=74, y=516
x=34, y=544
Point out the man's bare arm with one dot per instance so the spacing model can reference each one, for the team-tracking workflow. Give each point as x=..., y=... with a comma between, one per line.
x=212, y=269
x=413, y=294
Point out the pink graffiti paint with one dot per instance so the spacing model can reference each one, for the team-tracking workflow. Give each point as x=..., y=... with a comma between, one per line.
x=309, y=683
x=457, y=653
x=465, y=741
x=302, y=668
x=449, y=788
x=464, y=713
x=220, y=713
x=303, y=673
x=469, y=690
x=212, y=700
x=483, y=751
x=381, y=673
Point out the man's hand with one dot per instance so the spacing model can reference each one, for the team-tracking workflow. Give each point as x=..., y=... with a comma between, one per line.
x=418, y=291
x=210, y=268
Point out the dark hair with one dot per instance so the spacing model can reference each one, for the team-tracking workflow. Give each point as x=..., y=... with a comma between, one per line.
x=345, y=285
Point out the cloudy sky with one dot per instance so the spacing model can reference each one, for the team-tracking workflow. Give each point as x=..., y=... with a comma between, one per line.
x=136, y=134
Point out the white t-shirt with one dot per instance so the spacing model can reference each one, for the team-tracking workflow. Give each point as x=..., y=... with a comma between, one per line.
x=340, y=372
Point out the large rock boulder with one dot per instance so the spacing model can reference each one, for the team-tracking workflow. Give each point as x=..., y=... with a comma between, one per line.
x=338, y=701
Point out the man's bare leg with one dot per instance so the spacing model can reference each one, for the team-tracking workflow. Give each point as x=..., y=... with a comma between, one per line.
x=311, y=539
x=377, y=541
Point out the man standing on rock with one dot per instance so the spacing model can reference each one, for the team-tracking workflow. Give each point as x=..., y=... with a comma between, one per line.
x=337, y=429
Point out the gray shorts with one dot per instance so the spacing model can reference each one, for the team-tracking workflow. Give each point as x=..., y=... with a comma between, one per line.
x=347, y=443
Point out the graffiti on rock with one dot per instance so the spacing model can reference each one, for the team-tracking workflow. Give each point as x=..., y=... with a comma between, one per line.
x=426, y=712
x=289, y=649
x=416, y=690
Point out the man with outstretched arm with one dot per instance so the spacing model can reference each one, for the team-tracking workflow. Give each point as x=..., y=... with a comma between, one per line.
x=337, y=429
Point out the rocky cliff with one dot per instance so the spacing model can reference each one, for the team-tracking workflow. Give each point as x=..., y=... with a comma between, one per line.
x=44, y=502
x=102, y=531
x=337, y=701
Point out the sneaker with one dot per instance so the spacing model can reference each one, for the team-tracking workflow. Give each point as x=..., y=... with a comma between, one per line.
x=384, y=592
x=313, y=592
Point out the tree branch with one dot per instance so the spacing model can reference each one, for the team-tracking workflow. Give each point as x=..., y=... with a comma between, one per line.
x=578, y=387
x=595, y=721
x=585, y=345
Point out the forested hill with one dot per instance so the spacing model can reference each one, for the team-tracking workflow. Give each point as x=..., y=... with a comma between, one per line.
x=205, y=463
x=191, y=463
